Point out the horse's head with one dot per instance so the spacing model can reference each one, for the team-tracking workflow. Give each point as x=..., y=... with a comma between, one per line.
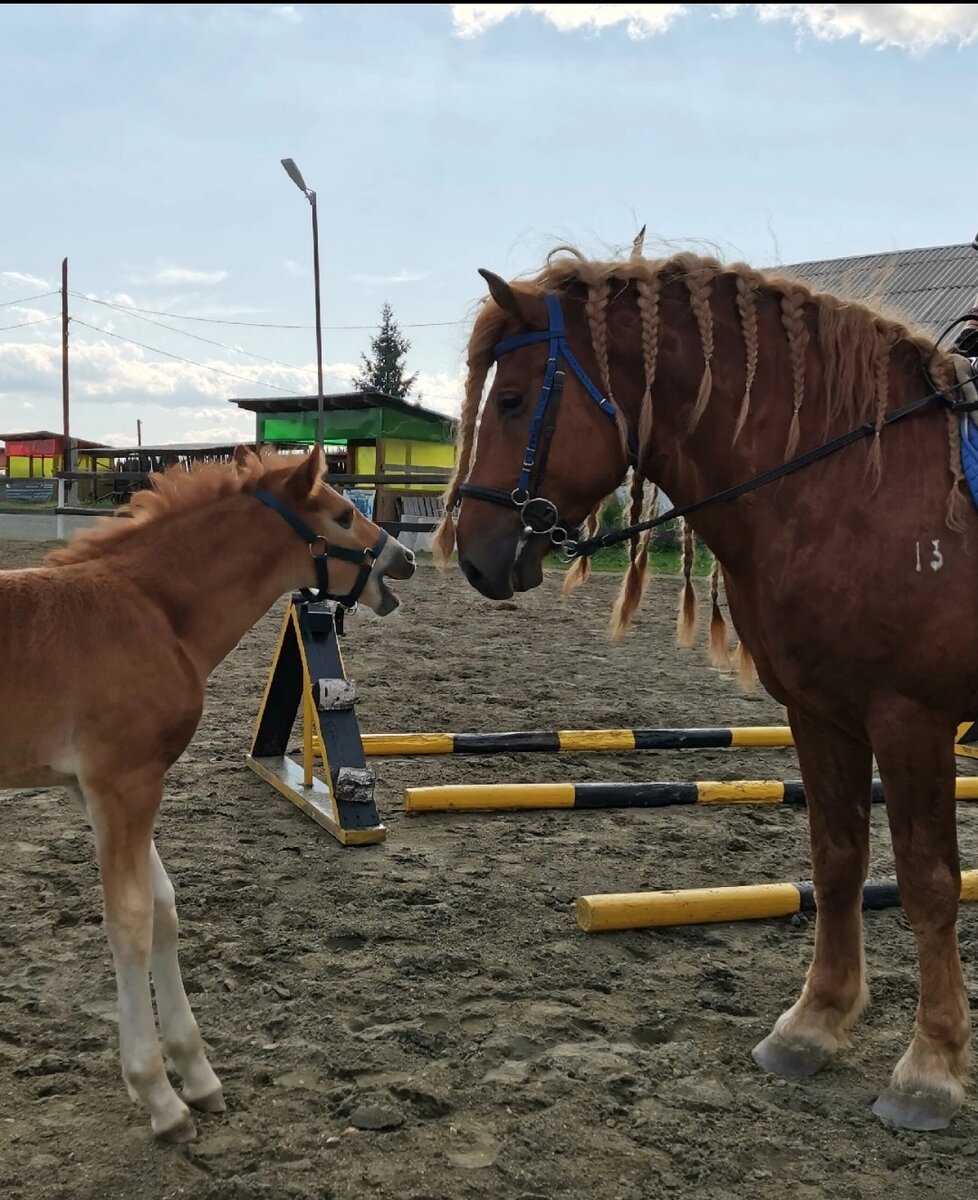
x=546, y=450
x=355, y=554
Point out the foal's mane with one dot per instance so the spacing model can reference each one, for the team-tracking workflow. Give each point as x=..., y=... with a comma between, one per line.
x=174, y=490
x=854, y=343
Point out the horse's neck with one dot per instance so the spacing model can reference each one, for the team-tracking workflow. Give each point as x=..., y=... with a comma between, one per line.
x=214, y=571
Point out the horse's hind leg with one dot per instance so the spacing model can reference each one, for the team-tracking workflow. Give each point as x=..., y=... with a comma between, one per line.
x=122, y=811
x=914, y=749
x=181, y=1036
x=837, y=773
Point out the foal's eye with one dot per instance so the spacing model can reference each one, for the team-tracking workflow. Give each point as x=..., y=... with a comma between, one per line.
x=346, y=519
x=510, y=402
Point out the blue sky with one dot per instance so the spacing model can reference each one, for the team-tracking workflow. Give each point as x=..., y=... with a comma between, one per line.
x=143, y=142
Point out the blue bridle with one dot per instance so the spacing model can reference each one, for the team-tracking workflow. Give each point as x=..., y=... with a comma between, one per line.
x=539, y=515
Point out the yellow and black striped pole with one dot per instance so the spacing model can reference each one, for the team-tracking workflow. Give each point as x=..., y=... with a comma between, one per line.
x=699, y=906
x=576, y=740
x=512, y=796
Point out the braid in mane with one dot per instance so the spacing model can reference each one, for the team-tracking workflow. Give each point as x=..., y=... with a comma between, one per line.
x=699, y=284
x=479, y=363
x=633, y=585
x=686, y=617
x=719, y=647
x=793, y=321
x=747, y=309
x=887, y=340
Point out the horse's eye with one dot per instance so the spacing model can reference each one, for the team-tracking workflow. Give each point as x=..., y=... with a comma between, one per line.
x=345, y=519
x=510, y=402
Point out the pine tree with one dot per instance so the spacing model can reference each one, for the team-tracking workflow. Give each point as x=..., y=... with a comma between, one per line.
x=383, y=371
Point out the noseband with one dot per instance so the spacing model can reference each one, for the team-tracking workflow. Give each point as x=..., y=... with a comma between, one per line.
x=539, y=515
x=366, y=558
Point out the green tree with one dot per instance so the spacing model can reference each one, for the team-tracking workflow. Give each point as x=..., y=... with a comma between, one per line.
x=383, y=370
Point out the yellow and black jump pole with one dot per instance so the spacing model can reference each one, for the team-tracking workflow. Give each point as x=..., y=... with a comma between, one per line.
x=307, y=671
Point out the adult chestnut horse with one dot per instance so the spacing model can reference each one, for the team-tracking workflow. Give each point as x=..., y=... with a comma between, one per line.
x=853, y=583
x=160, y=600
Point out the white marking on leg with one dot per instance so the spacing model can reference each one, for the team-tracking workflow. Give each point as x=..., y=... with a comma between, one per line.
x=181, y=1035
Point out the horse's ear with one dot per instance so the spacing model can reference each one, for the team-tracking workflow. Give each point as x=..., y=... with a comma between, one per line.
x=244, y=457
x=304, y=478
x=502, y=293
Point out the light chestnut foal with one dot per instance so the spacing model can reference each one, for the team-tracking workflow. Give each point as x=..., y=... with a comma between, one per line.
x=160, y=600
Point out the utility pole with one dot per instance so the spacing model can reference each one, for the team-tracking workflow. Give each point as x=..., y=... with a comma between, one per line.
x=139, y=432
x=66, y=455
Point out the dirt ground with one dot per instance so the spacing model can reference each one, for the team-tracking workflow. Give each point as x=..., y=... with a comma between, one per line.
x=437, y=985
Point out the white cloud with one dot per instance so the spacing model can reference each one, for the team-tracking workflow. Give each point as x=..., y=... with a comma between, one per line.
x=402, y=276
x=640, y=20
x=913, y=27
x=440, y=390
x=180, y=277
x=110, y=372
x=18, y=279
x=296, y=270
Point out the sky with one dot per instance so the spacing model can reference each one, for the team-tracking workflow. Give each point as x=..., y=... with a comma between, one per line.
x=144, y=143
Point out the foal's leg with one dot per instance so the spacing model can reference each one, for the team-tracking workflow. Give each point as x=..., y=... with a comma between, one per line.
x=837, y=772
x=122, y=812
x=914, y=749
x=181, y=1035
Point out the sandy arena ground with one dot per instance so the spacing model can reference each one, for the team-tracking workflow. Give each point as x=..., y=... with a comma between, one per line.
x=423, y=1020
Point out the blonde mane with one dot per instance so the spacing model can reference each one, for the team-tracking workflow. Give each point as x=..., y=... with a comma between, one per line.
x=854, y=342
x=174, y=490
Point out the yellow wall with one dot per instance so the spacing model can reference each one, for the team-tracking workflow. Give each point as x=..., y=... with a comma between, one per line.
x=399, y=453
x=21, y=467
x=364, y=460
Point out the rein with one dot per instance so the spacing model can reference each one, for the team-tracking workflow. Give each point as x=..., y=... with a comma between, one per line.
x=545, y=518
x=365, y=558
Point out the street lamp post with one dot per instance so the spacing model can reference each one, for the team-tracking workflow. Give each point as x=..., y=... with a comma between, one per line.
x=295, y=175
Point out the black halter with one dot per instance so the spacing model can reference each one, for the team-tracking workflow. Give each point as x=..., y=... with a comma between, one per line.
x=539, y=515
x=366, y=558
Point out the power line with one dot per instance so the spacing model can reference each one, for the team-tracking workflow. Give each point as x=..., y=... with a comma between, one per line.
x=35, y=321
x=188, y=361
x=131, y=308
x=209, y=341
x=27, y=299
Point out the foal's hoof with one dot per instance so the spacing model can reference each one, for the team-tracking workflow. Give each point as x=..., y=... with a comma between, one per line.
x=920, y=1111
x=798, y=1061
x=179, y=1135
x=211, y=1103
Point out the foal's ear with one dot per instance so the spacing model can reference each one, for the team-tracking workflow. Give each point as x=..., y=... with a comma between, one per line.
x=244, y=457
x=304, y=478
x=502, y=293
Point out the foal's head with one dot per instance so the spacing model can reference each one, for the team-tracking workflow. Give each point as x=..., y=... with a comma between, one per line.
x=340, y=525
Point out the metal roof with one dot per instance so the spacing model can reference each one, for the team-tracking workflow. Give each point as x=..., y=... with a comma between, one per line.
x=337, y=402
x=46, y=435
x=189, y=448
x=928, y=287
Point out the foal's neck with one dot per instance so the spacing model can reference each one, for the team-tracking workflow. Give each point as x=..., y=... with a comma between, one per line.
x=214, y=571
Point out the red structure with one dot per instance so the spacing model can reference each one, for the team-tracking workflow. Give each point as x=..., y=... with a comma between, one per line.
x=38, y=455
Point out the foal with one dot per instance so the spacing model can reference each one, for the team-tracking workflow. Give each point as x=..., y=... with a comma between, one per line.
x=161, y=599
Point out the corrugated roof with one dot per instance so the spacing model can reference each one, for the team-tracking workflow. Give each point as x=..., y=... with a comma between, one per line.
x=45, y=435
x=928, y=287
x=337, y=402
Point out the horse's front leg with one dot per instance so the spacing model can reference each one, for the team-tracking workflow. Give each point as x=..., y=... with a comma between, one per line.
x=915, y=752
x=181, y=1035
x=837, y=773
x=122, y=808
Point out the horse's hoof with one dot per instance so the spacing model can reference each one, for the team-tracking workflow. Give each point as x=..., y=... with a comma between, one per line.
x=790, y=1062
x=179, y=1135
x=211, y=1103
x=920, y=1111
